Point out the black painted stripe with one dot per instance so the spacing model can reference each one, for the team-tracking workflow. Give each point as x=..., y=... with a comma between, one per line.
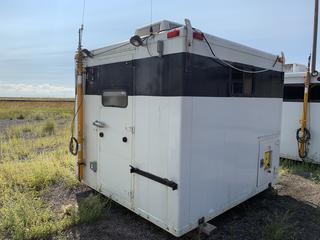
x=183, y=74
x=295, y=92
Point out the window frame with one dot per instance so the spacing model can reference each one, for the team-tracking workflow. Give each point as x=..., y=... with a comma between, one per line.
x=114, y=91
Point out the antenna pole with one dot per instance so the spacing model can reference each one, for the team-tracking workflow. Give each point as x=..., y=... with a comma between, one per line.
x=79, y=100
x=80, y=38
x=151, y=28
x=315, y=38
x=303, y=134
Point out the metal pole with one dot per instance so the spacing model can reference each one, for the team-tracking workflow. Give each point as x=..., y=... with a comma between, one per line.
x=79, y=58
x=315, y=38
x=302, y=145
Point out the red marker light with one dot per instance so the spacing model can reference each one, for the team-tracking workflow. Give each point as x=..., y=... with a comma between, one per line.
x=174, y=33
x=198, y=35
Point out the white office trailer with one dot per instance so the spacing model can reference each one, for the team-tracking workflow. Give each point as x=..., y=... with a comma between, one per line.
x=292, y=114
x=175, y=130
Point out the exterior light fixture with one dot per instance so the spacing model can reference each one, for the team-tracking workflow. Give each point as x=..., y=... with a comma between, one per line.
x=136, y=41
x=87, y=53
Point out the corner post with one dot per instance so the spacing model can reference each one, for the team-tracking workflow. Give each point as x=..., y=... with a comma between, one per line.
x=79, y=109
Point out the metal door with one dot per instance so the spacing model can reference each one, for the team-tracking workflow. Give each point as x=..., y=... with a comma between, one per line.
x=115, y=136
x=268, y=152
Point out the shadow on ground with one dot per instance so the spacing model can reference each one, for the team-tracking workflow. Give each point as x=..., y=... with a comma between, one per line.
x=268, y=215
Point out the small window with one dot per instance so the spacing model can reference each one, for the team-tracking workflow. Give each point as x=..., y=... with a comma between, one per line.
x=314, y=93
x=293, y=92
x=115, y=98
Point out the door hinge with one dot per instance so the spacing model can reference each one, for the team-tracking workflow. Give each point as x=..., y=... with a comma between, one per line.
x=131, y=129
x=131, y=195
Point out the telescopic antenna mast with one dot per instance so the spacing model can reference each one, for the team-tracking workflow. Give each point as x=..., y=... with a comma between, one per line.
x=79, y=101
x=314, y=72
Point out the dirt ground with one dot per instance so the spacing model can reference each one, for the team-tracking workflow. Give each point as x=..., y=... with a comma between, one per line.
x=5, y=123
x=290, y=211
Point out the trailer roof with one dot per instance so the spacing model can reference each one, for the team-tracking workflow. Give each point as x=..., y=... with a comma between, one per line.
x=224, y=49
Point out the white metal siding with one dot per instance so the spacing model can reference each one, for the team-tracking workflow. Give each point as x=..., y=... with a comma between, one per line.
x=209, y=146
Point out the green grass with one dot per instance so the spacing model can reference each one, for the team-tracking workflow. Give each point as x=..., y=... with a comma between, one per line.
x=49, y=128
x=35, y=110
x=89, y=209
x=34, y=158
x=25, y=216
x=27, y=141
x=305, y=169
x=279, y=227
x=26, y=173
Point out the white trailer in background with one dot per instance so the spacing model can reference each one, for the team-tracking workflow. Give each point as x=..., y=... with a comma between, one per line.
x=292, y=114
x=173, y=131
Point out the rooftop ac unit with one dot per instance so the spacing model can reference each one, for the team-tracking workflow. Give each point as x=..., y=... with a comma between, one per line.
x=156, y=28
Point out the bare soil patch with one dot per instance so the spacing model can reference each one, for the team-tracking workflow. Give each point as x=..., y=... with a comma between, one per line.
x=290, y=211
x=5, y=123
x=58, y=197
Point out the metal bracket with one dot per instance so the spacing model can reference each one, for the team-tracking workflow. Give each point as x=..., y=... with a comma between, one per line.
x=130, y=129
x=189, y=37
x=153, y=177
x=160, y=47
x=93, y=166
x=205, y=227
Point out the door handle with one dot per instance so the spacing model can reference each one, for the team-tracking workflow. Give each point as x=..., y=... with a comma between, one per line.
x=99, y=124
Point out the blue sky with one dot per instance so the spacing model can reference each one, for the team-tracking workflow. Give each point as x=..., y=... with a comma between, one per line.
x=38, y=38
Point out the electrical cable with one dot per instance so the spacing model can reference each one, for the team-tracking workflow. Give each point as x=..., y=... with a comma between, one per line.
x=122, y=45
x=108, y=50
x=233, y=67
x=303, y=134
x=147, y=44
x=303, y=138
x=73, y=144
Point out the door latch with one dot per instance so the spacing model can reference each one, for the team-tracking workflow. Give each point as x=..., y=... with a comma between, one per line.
x=99, y=124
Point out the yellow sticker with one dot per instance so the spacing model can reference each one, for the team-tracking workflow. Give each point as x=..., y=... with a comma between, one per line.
x=267, y=160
